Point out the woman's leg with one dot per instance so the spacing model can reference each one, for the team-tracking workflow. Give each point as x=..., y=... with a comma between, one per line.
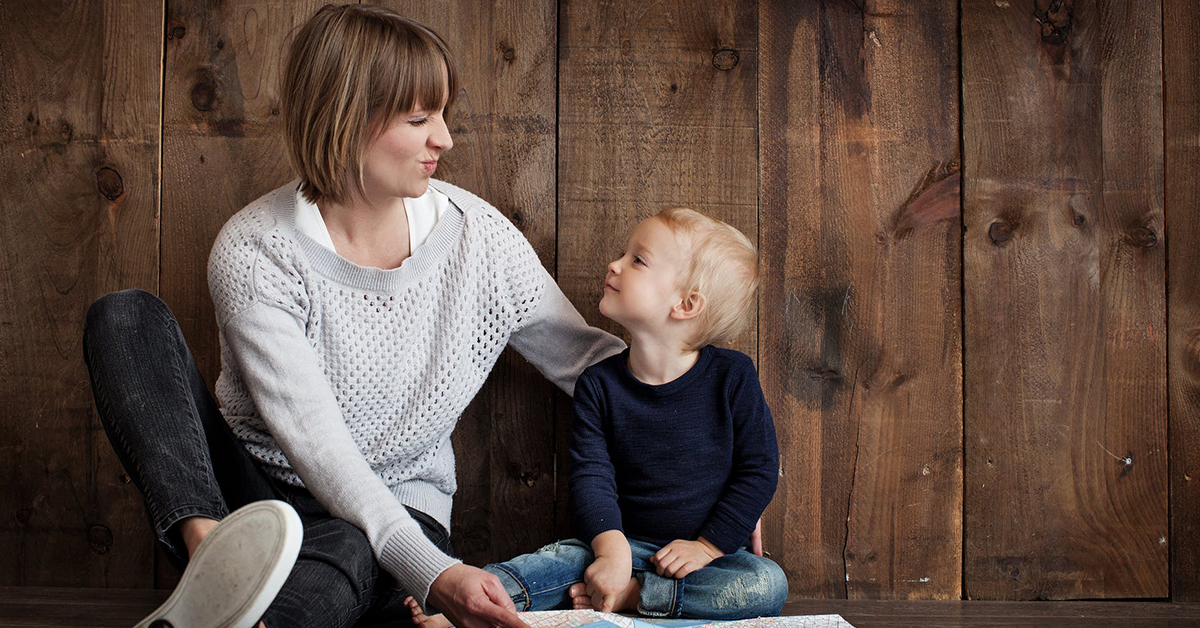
x=735, y=586
x=158, y=414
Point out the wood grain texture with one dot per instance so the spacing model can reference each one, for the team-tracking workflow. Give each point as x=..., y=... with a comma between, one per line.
x=222, y=146
x=503, y=130
x=656, y=108
x=860, y=327
x=79, y=155
x=1181, y=95
x=1066, y=450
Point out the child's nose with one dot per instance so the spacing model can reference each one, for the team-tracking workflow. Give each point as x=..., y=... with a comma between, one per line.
x=612, y=266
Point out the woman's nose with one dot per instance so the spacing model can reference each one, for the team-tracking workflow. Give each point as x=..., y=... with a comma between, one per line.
x=440, y=137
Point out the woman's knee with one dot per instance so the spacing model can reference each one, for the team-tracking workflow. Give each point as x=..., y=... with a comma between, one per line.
x=122, y=313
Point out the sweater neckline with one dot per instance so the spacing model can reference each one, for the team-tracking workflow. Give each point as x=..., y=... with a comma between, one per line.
x=430, y=255
x=673, y=386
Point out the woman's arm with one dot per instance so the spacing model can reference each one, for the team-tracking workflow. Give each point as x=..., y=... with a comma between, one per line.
x=558, y=342
x=281, y=372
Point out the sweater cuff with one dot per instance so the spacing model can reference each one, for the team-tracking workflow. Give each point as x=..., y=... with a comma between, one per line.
x=728, y=536
x=593, y=523
x=414, y=561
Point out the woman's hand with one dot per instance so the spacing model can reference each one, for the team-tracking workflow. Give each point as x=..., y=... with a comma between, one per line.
x=756, y=546
x=679, y=558
x=473, y=598
x=606, y=580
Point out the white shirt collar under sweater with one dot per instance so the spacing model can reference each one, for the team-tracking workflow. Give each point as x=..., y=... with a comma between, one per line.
x=423, y=213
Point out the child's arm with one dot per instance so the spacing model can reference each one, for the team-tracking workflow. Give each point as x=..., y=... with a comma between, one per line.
x=608, y=575
x=593, y=485
x=755, y=470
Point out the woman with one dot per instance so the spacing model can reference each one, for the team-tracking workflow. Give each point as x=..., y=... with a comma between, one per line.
x=360, y=307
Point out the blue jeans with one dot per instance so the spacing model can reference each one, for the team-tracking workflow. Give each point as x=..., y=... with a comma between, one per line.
x=736, y=586
x=172, y=440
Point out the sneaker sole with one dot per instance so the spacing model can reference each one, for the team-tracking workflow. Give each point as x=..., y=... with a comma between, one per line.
x=194, y=603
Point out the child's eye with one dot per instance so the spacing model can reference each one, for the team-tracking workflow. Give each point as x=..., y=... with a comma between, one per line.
x=638, y=260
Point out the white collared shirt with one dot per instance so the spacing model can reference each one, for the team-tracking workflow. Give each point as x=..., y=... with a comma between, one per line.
x=423, y=213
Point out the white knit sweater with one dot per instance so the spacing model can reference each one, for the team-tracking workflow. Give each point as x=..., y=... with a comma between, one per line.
x=349, y=380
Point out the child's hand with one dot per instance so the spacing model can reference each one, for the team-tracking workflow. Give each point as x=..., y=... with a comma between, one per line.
x=680, y=558
x=606, y=580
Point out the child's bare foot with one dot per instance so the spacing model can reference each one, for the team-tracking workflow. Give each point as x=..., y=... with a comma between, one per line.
x=626, y=601
x=421, y=620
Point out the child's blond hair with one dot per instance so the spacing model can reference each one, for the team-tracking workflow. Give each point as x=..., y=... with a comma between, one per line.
x=348, y=71
x=722, y=266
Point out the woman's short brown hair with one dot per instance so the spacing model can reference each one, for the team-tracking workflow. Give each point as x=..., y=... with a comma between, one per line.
x=349, y=70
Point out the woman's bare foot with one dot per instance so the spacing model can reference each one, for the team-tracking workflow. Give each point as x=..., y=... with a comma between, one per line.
x=626, y=601
x=421, y=620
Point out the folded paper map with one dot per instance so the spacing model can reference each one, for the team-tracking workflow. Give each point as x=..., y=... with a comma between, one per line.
x=596, y=619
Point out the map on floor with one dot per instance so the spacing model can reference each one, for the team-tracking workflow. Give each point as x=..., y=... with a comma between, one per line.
x=596, y=619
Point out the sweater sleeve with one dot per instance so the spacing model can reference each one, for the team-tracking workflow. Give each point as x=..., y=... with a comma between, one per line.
x=755, y=472
x=593, y=480
x=556, y=339
x=260, y=312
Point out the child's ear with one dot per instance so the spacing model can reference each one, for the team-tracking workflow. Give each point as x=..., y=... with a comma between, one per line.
x=689, y=307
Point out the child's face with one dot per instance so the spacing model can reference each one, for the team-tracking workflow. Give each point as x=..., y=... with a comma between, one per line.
x=644, y=284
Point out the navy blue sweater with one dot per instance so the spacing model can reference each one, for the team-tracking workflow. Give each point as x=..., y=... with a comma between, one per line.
x=693, y=457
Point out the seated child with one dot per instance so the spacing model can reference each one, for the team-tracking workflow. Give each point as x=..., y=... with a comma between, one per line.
x=674, y=457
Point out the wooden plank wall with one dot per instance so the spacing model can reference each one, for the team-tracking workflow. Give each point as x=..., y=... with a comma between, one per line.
x=79, y=164
x=860, y=331
x=1065, y=328
x=977, y=223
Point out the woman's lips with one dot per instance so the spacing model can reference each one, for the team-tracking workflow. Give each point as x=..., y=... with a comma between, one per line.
x=429, y=166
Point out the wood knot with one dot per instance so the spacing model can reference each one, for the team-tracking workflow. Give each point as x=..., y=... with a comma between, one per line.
x=1000, y=231
x=175, y=30
x=100, y=538
x=725, y=59
x=1055, y=22
x=66, y=131
x=1143, y=237
x=24, y=514
x=109, y=183
x=1078, y=220
x=518, y=219
x=204, y=92
x=507, y=52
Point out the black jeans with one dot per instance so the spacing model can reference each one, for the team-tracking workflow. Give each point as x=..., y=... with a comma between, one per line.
x=172, y=440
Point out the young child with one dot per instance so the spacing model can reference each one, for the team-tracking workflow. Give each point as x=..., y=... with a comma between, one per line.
x=674, y=456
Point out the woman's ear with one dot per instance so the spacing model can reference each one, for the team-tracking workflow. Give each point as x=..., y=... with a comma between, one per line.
x=689, y=307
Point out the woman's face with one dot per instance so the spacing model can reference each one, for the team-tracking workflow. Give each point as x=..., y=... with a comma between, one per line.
x=400, y=162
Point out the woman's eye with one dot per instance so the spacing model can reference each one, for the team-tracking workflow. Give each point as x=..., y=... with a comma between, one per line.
x=418, y=122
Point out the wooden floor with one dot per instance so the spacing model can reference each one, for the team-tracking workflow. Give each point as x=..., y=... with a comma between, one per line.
x=31, y=606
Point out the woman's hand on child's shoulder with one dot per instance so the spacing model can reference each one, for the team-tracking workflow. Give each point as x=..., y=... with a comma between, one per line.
x=679, y=558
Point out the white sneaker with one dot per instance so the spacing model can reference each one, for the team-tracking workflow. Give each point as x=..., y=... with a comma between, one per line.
x=237, y=570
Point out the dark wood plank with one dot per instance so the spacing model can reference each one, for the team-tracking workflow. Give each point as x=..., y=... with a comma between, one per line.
x=656, y=109
x=1182, y=119
x=222, y=144
x=1066, y=450
x=503, y=129
x=860, y=331
x=79, y=154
